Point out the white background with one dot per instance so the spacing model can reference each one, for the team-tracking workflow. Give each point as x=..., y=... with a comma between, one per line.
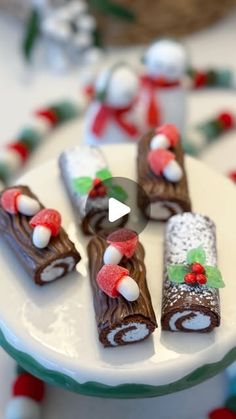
x=23, y=90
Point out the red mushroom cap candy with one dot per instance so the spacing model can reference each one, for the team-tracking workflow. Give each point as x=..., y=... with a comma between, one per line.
x=9, y=200
x=114, y=280
x=171, y=132
x=124, y=240
x=109, y=277
x=159, y=159
x=48, y=218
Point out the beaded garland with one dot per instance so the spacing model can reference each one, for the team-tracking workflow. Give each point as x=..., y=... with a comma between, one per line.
x=14, y=155
x=27, y=396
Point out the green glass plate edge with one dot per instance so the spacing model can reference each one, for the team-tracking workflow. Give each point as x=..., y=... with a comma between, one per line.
x=123, y=391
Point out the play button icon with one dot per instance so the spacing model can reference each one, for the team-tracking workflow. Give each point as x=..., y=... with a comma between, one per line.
x=113, y=204
x=116, y=210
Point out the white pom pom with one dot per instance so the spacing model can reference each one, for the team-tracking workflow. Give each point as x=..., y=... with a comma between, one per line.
x=39, y=124
x=22, y=408
x=11, y=159
x=112, y=256
x=41, y=236
x=173, y=171
x=159, y=141
x=27, y=206
x=128, y=287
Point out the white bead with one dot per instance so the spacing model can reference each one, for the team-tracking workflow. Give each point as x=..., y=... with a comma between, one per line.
x=173, y=171
x=23, y=408
x=112, y=256
x=41, y=236
x=27, y=206
x=39, y=124
x=128, y=287
x=159, y=141
x=11, y=159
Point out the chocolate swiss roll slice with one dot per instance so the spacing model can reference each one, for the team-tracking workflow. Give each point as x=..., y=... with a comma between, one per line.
x=190, y=301
x=89, y=184
x=162, y=175
x=35, y=235
x=122, y=302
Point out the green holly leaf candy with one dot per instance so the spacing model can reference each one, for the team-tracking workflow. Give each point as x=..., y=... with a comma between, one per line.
x=214, y=278
x=196, y=255
x=117, y=192
x=104, y=174
x=82, y=184
x=177, y=272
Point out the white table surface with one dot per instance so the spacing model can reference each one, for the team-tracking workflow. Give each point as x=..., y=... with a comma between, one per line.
x=21, y=92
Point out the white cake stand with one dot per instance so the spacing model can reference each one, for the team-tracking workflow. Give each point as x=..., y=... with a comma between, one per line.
x=51, y=330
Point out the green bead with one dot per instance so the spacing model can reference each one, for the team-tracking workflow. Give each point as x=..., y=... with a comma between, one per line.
x=211, y=78
x=4, y=172
x=211, y=129
x=231, y=403
x=65, y=110
x=224, y=78
x=20, y=370
x=30, y=138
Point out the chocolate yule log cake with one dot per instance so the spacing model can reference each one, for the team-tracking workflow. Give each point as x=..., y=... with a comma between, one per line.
x=190, y=301
x=35, y=235
x=162, y=175
x=89, y=184
x=122, y=302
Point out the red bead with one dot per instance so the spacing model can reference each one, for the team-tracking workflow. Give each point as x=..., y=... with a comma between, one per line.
x=197, y=268
x=222, y=413
x=190, y=278
x=201, y=279
x=102, y=191
x=200, y=79
x=20, y=148
x=226, y=119
x=93, y=193
x=232, y=176
x=29, y=386
x=49, y=115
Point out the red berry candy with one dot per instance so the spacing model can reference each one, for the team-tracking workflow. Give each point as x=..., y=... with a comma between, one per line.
x=49, y=115
x=190, y=278
x=201, y=279
x=108, y=278
x=197, y=268
x=29, y=386
x=97, y=182
x=200, y=79
x=124, y=240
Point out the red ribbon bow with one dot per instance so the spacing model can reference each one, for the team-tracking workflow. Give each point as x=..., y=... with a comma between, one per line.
x=153, y=111
x=105, y=113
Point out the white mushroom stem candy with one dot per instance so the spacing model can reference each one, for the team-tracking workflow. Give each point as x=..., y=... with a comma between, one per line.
x=114, y=280
x=122, y=242
x=46, y=224
x=166, y=136
x=14, y=202
x=163, y=162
